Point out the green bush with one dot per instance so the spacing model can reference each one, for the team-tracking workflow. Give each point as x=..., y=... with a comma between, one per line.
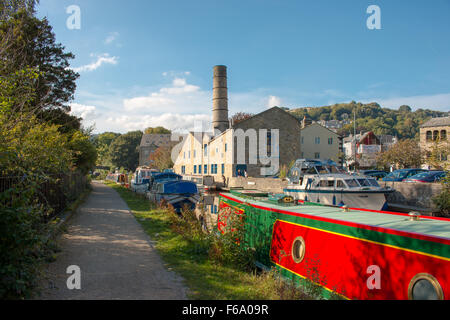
x=24, y=245
x=442, y=201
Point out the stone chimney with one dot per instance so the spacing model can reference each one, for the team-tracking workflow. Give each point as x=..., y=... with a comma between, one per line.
x=220, y=100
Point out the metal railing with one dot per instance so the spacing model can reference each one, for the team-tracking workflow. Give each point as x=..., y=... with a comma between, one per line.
x=55, y=192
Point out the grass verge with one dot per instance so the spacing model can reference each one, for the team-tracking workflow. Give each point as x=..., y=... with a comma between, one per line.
x=206, y=279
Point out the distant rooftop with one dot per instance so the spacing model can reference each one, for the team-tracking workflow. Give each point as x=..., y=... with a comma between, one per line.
x=155, y=139
x=437, y=122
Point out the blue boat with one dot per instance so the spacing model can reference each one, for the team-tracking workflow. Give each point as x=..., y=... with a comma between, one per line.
x=140, y=182
x=164, y=177
x=178, y=193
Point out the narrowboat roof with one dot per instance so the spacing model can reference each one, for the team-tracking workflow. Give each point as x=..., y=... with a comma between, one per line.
x=430, y=226
x=167, y=175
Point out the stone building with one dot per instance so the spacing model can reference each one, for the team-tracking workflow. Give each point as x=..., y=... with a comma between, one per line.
x=151, y=142
x=318, y=142
x=257, y=146
x=260, y=146
x=434, y=134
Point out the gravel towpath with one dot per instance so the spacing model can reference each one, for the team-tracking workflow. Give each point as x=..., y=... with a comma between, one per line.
x=116, y=257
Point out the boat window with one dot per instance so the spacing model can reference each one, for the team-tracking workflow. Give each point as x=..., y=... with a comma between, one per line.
x=321, y=169
x=373, y=183
x=311, y=170
x=352, y=183
x=340, y=184
x=327, y=183
x=425, y=287
x=298, y=250
x=364, y=182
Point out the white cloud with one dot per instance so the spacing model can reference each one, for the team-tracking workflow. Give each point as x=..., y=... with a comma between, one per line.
x=179, y=97
x=439, y=102
x=111, y=37
x=83, y=111
x=101, y=59
x=176, y=122
x=273, y=101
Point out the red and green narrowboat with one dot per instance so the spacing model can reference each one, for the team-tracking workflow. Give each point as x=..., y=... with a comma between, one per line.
x=354, y=253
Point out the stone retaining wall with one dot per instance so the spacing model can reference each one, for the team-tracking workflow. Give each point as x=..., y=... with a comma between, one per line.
x=413, y=194
x=407, y=195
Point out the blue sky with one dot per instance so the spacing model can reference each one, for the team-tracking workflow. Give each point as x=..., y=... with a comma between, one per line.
x=149, y=63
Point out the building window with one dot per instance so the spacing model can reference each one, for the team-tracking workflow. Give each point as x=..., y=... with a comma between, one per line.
x=189, y=154
x=226, y=147
x=317, y=155
x=206, y=169
x=206, y=150
x=443, y=135
x=183, y=169
x=223, y=168
x=195, y=153
x=303, y=140
x=199, y=169
x=317, y=140
x=429, y=136
x=435, y=135
x=269, y=143
x=330, y=140
x=195, y=169
x=184, y=155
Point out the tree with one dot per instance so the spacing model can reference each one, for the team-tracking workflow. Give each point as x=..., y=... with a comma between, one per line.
x=437, y=154
x=161, y=159
x=124, y=150
x=157, y=130
x=85, y=153
x=240, y=116
x=103, y=143
x=405, y=108
x=28, y=42
x=9, y=7
x=405, y=154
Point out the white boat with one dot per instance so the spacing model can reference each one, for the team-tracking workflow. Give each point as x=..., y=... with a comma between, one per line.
x=140, y=182
x=322, y=182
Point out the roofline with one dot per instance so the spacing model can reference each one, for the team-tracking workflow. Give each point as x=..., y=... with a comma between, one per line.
x=258, y=114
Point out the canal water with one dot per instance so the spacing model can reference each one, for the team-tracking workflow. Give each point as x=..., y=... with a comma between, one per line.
x=207, y=210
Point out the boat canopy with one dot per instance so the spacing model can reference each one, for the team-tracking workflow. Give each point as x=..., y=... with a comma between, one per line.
x=179, y=187
x=309, y=166
x=166, y=176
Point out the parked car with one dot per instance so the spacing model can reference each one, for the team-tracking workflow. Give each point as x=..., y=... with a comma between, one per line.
x=431, y=176
x=402, y=174
x=377, y=174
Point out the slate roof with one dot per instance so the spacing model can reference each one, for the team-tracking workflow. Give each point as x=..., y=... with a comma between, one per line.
x=159, y=140
x=437, y=122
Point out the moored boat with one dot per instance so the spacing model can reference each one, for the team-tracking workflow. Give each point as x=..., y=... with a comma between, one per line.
x=354, y=253
x=178, y=193
x=322, y=182
x=140, y=182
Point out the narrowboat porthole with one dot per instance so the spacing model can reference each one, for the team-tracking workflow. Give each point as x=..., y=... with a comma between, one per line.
x=425, y=287
x=298, y=250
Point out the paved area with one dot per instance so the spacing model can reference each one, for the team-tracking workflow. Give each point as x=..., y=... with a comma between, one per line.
x=115, y=256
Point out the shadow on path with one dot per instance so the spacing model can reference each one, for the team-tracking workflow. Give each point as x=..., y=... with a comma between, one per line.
x=115, y=255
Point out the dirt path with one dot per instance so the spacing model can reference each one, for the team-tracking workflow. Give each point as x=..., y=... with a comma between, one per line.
x=115, y=256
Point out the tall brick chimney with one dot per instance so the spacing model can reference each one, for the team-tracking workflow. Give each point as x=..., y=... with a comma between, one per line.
x=220, y=100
